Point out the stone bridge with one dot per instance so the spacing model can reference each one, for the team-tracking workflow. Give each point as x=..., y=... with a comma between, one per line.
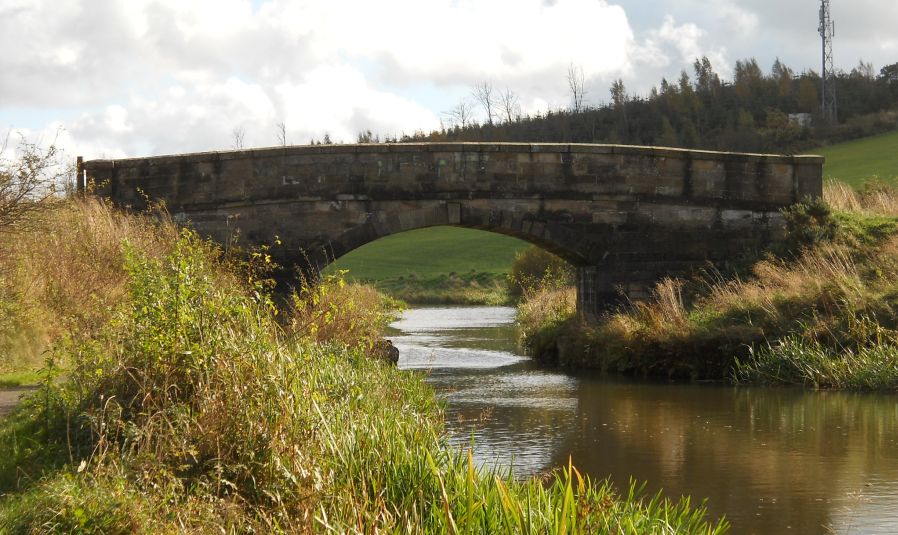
x=625, y=216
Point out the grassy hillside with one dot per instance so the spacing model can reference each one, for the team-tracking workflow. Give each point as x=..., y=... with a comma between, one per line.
x=857, y=161
x=436, y=265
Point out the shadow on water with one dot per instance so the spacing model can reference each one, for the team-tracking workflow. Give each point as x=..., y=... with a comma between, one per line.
x=772, y=460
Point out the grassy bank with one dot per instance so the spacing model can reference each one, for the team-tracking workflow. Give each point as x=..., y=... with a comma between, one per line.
x=822, y=313
x=436, y=265
x=177, y=398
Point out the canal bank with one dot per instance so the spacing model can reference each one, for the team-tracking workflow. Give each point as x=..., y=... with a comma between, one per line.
x=770, y=459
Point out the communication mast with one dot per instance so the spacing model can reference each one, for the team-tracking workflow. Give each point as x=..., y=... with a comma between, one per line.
x=827, y=30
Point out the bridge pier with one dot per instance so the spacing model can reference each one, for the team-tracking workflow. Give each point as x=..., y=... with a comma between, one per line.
x=600, y=289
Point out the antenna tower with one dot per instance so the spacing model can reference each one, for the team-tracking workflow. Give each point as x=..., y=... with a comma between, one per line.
x=827, y=30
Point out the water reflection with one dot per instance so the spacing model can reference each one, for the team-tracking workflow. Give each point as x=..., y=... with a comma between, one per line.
x=772, y=460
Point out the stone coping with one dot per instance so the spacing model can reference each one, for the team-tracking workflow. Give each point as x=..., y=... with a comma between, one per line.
x=405, y=148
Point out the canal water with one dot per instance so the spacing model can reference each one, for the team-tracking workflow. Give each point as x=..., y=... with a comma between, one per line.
x=772, y=460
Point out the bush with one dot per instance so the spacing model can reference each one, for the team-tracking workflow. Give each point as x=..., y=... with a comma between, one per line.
x=534, y=268
x=28, y=182
x=330, y=310
x=809, y=223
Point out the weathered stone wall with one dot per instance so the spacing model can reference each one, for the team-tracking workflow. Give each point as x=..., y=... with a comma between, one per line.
x=626, y=215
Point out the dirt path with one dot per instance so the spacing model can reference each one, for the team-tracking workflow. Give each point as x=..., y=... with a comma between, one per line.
x=9, y=397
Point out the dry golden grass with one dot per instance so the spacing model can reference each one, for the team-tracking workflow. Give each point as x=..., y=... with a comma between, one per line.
x=828, y=273
x=665, y=309
x=65, y=272
x=546, y=308
x=873, y=199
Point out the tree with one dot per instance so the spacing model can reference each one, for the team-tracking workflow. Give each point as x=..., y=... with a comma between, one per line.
x=808, y=99
x=461, y=114
x=782, y=75
x=705, y=78
x=237, y=137
x=889, y=73
x=281, y=133
x=367, y=137
x=618, y=93
x=748, y=76
x=619, y=101
x=483, y=92
x=668, y=137
x=28, y=181
x=510, y=105
x=576, y=85
x=863, y=70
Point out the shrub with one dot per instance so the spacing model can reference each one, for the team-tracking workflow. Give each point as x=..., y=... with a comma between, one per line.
x=535, y=267
x=808, y=223
x=330, y=310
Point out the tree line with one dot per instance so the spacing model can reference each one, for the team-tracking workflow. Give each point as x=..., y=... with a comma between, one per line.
x=776, y=111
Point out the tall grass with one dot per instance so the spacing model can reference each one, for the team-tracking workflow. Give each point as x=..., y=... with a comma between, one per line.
x=192, y=408
x=64, y=273
x=838, y=295
x=796, y=360
x=872, y=197
x=542, y=316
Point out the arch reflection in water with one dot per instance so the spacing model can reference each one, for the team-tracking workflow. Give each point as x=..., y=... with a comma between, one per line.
x=772, y=460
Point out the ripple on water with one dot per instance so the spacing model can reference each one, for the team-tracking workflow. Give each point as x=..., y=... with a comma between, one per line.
x=432, y=320
x=415, y=357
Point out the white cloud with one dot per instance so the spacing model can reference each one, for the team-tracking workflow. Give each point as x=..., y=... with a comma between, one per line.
x=175, y=75
x=151, y=76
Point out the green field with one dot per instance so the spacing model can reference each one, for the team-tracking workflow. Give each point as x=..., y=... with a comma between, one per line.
x=436, y=265
x=860, y=160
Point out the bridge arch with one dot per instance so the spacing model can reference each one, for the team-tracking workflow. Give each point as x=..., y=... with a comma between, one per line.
x=549, y=235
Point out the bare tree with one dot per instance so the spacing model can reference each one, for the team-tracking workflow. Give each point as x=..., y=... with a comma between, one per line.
x=462, y=114
x=281, y=132
x=28, y=181
x=576, y=85
x=238, y=134
x=510, y=105
x=483, y=92
x=863, y=70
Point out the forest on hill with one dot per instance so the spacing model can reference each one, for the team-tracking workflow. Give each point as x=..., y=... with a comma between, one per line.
x=777, y=111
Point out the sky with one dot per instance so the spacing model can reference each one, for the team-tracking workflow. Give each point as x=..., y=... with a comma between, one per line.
x=131, y=78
